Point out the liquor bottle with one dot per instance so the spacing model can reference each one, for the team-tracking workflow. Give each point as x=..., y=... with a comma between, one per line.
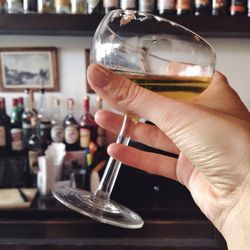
x=71, y=128
x=16, y=129
x=88, y=126
x=36, y=147
x=101, y=132
x=147, y=6
x=57, y=130
x=110, y=5
x=44, y=123
x=238, y=8
x=219, y=7
x=166, y=7
x=4, y=129
x=28, y=114
x=202, y=7
x=128, y=4
x=184, y=7
x=95, y=7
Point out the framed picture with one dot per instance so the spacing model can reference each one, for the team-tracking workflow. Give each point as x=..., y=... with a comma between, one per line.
x=87, y=62
x=28, y=68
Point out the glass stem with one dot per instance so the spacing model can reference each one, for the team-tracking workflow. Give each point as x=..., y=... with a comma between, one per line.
x=113, y=166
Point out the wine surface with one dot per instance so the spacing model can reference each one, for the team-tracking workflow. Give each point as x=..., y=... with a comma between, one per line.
x=178, y=87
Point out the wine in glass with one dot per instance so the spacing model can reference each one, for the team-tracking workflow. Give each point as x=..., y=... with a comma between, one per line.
x=158, y=54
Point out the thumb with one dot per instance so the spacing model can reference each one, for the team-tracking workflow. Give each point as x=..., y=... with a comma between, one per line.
x=127, y=96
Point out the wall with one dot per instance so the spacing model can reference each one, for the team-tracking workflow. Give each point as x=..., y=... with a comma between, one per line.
x=233, y=58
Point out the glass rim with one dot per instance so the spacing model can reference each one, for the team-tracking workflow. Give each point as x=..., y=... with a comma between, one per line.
x=158, y=18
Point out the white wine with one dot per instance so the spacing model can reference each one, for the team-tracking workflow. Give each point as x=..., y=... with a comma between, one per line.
x=178, y=87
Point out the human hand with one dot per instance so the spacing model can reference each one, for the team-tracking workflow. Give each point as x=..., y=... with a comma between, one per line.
x=211, y=135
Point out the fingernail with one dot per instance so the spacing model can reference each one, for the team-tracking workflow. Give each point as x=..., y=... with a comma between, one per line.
x=98, y=75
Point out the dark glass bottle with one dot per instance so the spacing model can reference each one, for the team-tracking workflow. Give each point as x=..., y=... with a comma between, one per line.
x=184, y=7
x=129, y=4
x=29, y=6
x=36, y=147
x=5, y=138
x=95, y=7
x=166, y=7
x=16, y=129
x=238, y=8
x=44, y=123
x=57, y=130
x=88, y=126
x=110, y=5
x=71, y=128
x=202, y=7
x=27, y=116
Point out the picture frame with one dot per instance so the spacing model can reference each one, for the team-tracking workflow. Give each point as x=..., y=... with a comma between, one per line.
x=29, y=68
x=87, y=62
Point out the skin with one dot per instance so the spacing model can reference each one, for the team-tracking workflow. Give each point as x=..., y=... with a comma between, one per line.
x=211, y=135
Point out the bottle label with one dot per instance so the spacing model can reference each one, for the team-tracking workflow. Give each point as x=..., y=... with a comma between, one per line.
x=57, y=133
x=128, y=4
x=84, y=137
x=201, y=3
x=218, y=4
x=92, y=3
x=16, y=139
x=166, y=5
x=238, y=6
x=14, y=6
x=71, y=135
x=183, y=4
x=110, y=3
x=2, y=136
x=146, y=5
x=33, y=161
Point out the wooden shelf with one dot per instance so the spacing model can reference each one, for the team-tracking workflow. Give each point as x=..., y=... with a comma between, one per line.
x=85, y=25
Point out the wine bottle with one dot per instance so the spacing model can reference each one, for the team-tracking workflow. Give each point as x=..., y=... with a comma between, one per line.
x=36, y=148
x=27, y=116
x=71, y=128
x=5, y=137
x=202, y=7
x=110, y=5
x=44, y=123
x=128, y=4
x=88, y=126
x=16, y=129
x=166, y=7
x=57, y=130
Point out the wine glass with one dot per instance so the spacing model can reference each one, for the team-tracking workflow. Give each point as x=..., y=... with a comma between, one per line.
x=158, y=54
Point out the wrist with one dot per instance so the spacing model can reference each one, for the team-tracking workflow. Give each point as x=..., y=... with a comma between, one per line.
x=236, y=229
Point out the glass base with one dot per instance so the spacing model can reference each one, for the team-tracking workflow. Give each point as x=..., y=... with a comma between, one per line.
x=105, y=211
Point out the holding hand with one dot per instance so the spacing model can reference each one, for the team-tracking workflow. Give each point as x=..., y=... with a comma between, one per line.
x=211, y=135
